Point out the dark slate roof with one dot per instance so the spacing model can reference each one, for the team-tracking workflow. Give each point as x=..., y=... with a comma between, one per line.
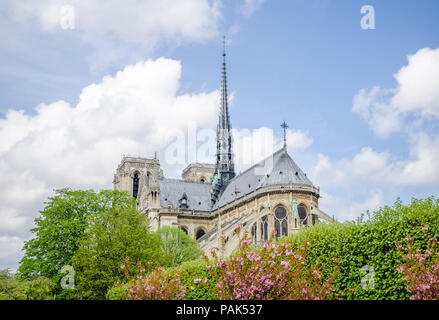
x=198, y=194
x=279, y=168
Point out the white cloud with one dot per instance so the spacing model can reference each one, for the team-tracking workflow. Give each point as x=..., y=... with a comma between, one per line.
x=416, y=93
x=418, y=84
x=382, y=168
x=253, y=146
x=10, y=251
x=423, y=168
x=383, y=118
x=351, y=210
x=345, y=182
x=250, y=6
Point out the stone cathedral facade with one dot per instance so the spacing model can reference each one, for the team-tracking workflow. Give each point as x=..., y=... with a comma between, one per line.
x=274, y=195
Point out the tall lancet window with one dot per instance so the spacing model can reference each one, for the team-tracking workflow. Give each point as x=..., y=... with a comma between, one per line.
x=253, y=232
x=303, y=215
x=264, y=228
x=280, y=222
x=135, y=185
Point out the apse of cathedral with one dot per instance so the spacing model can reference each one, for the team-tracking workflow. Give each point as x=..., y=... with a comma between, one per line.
x=274, y=196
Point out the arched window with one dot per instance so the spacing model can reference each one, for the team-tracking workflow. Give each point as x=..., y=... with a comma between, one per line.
x=302, y=214
x=264, y=228
x=253, y=232
x=184, y=230
x=203, y=180
x=135, y=185
x=200, y=233
x=280, y=222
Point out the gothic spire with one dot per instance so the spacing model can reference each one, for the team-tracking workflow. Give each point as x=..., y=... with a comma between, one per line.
x=224, y=112
x=224, y=167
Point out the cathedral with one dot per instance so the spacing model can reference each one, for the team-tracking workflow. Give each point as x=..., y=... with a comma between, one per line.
x=209, y=200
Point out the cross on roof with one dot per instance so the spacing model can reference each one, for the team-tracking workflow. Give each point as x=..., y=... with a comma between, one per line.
x=284, y=126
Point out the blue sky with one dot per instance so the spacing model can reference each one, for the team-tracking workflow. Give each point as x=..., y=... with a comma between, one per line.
x=302, y=61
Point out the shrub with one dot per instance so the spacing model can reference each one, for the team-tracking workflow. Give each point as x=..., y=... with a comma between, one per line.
x=14, y=289
x=271, y=272
x=367, y=247
x=118, y=292
x=157, y=284
x=196, y=269
x=421, y=269
x=178, y=247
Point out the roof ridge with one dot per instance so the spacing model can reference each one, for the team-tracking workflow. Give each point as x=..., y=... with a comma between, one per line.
x=184, y=181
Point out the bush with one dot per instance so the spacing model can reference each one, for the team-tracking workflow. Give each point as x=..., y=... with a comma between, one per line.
x=421, y=269
x=367, y=249
x=178, y=247
x=269, y=273
x=273, y=272
x=118, y=292
x=14, y=289
x=196, y=269
x=157, y=284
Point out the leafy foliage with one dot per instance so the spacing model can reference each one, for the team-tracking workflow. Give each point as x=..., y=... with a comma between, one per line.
x=270, y=273
x=178, y=246
x=61, y=227
x=110, y=237
x=370, y=241
x=273, y=272
x=13, y=289
x=421, y=269
x=197, y=269
x=152, y=284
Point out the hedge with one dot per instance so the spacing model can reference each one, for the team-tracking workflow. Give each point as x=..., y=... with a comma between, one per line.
x=370, y=241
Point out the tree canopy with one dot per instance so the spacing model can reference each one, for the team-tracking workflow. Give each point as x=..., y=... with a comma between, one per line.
x=110, y=238
x=61, y=227
x=178, y=246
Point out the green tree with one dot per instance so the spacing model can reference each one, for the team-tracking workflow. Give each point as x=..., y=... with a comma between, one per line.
x=61, y=227
x=178, y=246
x=13, y=289
x=110, y=238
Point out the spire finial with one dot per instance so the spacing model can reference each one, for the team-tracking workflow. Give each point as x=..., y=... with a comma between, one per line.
x=224, y=46
x=284, y=126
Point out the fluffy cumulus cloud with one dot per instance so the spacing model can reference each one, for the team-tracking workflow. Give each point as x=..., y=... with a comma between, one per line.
x=250, y=147
x=411, y=104
x=143, y=22
x=416, y=94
